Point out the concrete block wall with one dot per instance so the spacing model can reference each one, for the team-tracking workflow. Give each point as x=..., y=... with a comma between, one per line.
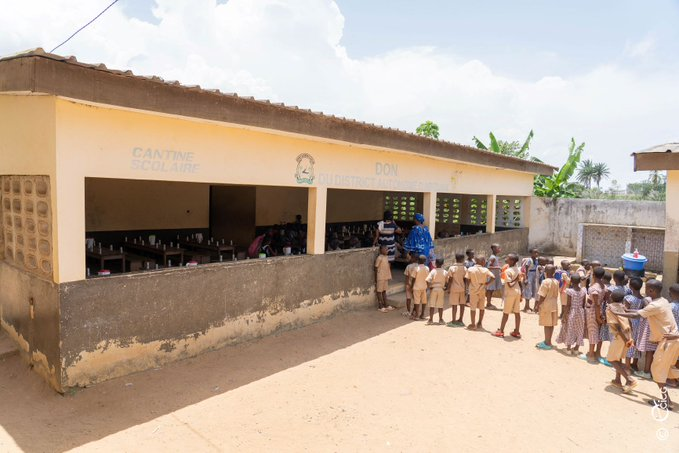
x=26, y=223
x=554, y=224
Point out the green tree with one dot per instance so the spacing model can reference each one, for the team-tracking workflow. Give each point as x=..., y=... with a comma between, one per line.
x=514, y=148
x=558, y=185
x=428, y=129
x=586, y=173
x=600, y=172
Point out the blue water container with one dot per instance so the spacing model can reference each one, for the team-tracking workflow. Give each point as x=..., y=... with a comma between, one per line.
x=632, y=265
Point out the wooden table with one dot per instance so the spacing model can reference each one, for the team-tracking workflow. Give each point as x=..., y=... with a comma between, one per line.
x=161, y=251
x=214, y=248
x=104, y=255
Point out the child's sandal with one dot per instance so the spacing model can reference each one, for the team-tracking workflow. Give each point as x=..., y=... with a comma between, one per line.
x=515, y=334
x=499, y=334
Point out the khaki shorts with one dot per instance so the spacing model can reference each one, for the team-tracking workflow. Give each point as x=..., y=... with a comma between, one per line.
x=548, y=318
x=664, y=360
x=457, y=298
x=617, y=350
x=420, y=296
x=477, y=301
x=512, y=303
x=436, y=298
x=381, y=285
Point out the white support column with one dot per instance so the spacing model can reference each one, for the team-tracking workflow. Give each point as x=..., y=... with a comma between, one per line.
x=429, y=211
x=491, y=211
x=317, y=206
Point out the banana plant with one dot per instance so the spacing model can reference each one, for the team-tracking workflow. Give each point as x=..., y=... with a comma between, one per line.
x=507, y=148
x=558, y=185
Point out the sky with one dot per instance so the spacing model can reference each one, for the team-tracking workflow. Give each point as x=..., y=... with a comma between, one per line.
x=603, y=72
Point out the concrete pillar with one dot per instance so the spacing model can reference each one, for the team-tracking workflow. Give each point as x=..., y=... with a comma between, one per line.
x=429, y=211
x=671, y=249
x=491, y=212
x=526, y=203
x=317, y=207
x=69, y=218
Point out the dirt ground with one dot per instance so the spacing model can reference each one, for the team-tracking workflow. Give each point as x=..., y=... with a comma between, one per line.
x=362, y=381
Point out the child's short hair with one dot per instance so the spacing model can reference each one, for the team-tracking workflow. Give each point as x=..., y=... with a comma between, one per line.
x=439, y=263
x=618, y=295
x=480, y=258
x=619, y=277
x=599, y=272
x=636, y=283
x=575, y=279
x=494, y=245
x=514, y=257
x=459, y=257
x=550, y=269
x=674, y=289
x=421, y=259
x=533, y=250
x=655, y=285
x=607, y=276
x=469, y=252
x=565, y=265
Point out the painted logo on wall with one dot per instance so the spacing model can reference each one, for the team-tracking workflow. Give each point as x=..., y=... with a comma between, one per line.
x=305, y=169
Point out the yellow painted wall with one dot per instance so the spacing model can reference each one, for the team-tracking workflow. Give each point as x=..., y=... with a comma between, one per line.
x=119, y=204
x=354, y=205
x=277, y=205
x=28, y=147
x=108, y=143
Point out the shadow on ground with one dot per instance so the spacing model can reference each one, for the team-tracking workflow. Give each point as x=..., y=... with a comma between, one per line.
x=38, y=419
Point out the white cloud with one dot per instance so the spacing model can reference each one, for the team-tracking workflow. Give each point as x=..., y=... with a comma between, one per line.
x=291, y=51
x=641, y=48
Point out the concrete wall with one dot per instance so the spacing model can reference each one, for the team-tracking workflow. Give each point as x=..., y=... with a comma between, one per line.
x=511, y=241
x=354, y=205
x=554, y=223
x=671, y=253
x=277, y=205
x=120, y=204
x=118, y=325
x=29, y=313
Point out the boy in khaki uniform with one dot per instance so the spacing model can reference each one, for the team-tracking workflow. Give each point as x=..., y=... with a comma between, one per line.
x=456, y=286
x=512, y=297
x=418, y=281
x=548, y=306
x=382, y=277
x=412, y=263
x=620, y=330
x=664, y=331
x=479, y=276
x=437, y=281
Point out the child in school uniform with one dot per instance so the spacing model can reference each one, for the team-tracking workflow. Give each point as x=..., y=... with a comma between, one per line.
x=456, y=286
x=412, y=263
x=495, y=267
x=674, y=304
x=548, y=306
x=573, y=325
x=634, y=302
x=511, y=297
x=604, y=331
x=382, y=277
x=418, y=281
x=621, y=340
x=469, y=262
x=436, y=281
x=529, y=267
x=644, y=345
x=593, y=320
x=562, y=275
x=479, y=276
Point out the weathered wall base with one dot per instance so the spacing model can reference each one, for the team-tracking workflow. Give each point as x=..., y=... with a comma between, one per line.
x=118, y=325
x=29, y=312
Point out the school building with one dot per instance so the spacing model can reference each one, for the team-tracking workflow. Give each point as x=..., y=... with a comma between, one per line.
x=666, y=158
x=106, y=169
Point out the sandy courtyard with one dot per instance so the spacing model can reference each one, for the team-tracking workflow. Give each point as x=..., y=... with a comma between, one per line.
x=362, y=381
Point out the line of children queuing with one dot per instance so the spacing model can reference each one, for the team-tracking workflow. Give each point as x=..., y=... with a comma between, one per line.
x=596, y=305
